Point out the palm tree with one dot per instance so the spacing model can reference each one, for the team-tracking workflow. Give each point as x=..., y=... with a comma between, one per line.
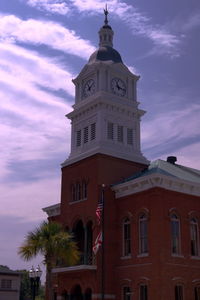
x=54, y=243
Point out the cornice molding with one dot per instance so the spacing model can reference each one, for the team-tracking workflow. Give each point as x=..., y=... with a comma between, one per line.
x=53, y=210
x=74, y=268
x=104, y=102
x=156, y=180
x=134, y=157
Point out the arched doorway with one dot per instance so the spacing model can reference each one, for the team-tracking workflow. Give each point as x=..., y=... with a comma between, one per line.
x=79, y=236
x=76, y=293
x=89, y=238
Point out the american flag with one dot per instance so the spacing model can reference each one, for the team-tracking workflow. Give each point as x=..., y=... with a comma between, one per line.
x=99, y=211
x=98, y=243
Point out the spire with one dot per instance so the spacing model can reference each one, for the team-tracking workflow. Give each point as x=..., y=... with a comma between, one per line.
x=106, y=33
x=106, y=15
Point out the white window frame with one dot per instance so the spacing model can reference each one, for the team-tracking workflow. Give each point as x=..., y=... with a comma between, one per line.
x=126, y=291
x=194, y=237
x=175, y=238
x=126, y=241
x=143, y=296
x=178, y=292
x=143, y=237
x=197, y=292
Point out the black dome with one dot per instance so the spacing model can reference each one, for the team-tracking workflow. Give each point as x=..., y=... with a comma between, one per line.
x=104, y=54
x=106, y=26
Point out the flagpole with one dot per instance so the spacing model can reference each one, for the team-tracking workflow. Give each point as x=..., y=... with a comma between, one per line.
x=102, y=249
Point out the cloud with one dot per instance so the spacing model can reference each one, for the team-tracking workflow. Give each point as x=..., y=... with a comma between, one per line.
x=27, y=111
x=29, y=203
x=191, y=22
x=173, y=135
x=163, y=40
x=38, y=32
x=15, y=62
x=189, y=155
x=12, y=238
x=52, y=6
x=134, y=70
x=25, y=202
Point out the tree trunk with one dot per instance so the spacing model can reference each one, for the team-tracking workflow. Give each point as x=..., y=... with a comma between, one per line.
x=49, y=283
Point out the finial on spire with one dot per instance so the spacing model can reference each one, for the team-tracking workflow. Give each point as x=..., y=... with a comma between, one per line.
x=105, y=32
x=106, y=15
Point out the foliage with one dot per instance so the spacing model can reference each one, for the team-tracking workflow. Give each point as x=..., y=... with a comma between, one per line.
x=50, y=240
x=4, y=267
x=54, y=243
x=25, y=289
x=41, y=293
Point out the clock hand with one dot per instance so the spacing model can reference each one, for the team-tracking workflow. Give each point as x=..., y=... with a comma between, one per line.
x=117, y=85
x=90, y=86
x=121, y=88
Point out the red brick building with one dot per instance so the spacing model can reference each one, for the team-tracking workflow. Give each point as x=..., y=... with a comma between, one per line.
x=151, y=211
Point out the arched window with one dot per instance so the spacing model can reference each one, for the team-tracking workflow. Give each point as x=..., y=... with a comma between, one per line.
x=73, y=192
x=178, y=292
x=175, y=234
x=143, y=234
x=126, y=293
x=143, y=292
x=194, y=237
x=89, y=245
x=78, y=191
x=126, y=237
x=79, y=237
x=84, y=189
x=197, y=293
x=76, y=293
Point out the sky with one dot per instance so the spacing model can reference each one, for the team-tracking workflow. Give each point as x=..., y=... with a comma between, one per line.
x=43, y=45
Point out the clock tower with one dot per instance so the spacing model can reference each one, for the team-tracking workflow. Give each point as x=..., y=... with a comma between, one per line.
x=105, y=117
x=136, y=224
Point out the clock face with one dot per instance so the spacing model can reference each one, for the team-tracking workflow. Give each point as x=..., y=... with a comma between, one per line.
x=118, y=87
x=89, y=88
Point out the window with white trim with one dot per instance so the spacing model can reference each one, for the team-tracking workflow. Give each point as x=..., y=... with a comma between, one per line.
x=73, y=192
x=129, y=136
x=194, y=237
x=6, y=284
x=110, y=131
x=175, y=234
x=79, y=190
x=143, y=292
x=178, y=292
x=126, y=237
x=84, y=189
x=197, y=293
x=120, y=133
x=126, y=293
x=143, y=234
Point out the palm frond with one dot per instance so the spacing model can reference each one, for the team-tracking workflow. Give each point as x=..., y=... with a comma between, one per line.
x=50, y=240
